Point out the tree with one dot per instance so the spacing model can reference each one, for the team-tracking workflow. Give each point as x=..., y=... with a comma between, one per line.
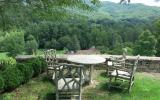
x=65, y=41
x=14, y=42
x=146, y=44
x=74, y=45
x=36, y=10
x=31, y=45
x=158, y=38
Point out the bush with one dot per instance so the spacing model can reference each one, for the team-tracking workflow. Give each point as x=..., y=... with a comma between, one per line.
x=26, y=70
x=5, y=62
x=14, y=42
x=38, y=65
x=1, y=82
x=43, y=64
x=13, y=77
x=31, y=45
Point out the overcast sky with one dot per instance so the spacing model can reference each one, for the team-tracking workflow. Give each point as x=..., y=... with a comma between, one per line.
x=146, y=2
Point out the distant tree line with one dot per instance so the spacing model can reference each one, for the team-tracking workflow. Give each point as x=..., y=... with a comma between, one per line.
x=109, y=36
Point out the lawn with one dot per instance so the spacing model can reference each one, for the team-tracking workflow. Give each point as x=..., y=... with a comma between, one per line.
x=39, y=52
x=3, y=55
x=146, y=88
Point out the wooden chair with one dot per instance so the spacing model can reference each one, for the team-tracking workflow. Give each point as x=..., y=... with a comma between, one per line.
x=69, y=82
x=115, y=61
x=50, y=58
x=124, y=73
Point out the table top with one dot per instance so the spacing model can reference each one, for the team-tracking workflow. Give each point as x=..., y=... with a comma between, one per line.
x=86, y=59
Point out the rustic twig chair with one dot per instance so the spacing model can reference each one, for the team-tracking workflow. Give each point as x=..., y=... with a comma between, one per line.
x=50, y=58
x=124, y=73
x=68, y=82
x=116, y=61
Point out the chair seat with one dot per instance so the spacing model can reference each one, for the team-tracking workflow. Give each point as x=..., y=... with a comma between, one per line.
x=61, y=84
x=110, y=63
x=121, y=74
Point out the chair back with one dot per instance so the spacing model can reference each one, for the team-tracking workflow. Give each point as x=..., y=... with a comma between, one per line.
x=69, y=78
x=50, y=57
x=135, y=65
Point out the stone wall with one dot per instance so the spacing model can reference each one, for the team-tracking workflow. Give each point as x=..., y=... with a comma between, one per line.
x=149, y=66
x=146, y=64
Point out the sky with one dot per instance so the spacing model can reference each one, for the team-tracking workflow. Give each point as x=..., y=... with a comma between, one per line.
x=146, y=2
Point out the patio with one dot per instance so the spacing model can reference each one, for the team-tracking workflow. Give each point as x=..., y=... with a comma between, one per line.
x=41, y=88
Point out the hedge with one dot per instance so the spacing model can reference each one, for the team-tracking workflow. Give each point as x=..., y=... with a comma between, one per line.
x=14, y=75
x=38, y=65
x=5, y=62
x=1, y=82
x=26, y=70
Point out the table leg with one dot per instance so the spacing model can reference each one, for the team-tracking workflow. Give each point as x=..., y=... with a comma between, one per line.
x=91, y=74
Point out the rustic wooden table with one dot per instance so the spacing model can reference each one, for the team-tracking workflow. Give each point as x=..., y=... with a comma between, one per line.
x=87, y=60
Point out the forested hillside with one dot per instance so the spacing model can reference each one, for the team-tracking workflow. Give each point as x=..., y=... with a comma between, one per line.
x=117, y=11
x=110, y=28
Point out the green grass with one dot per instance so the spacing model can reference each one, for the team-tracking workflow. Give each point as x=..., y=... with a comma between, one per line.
x=146, y=87
x=3, y=55
x=41, y=52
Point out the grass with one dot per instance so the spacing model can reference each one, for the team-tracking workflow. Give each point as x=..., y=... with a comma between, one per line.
x=3, y=55
x=147, y=87
x=39, y=52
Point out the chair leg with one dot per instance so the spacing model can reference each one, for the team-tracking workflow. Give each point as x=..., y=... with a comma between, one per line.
x=80, y=96
x=115, y=79
x=57, y=96
x=47, y=72
x=110, y=80
x=129, y=87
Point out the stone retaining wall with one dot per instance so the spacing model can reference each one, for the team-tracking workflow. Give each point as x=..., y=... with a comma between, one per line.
x=146, y=64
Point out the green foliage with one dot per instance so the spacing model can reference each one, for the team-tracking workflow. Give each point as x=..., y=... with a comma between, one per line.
x=74, y=44
x=146, y=44
x=1, y=82
x=26, y=70
x=158, y=47
x=102, y=49
x=38, y=65
x=14, y=74
x=117, y=11
x=158, y=37
x=14, y=42
x=43, y=64
x=13, y=77
x=31, y=45
x=7, y=62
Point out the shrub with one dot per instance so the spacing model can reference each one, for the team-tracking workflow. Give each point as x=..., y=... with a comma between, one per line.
x=14, y=42
x=5, y=62
x=31, y=45
x=43, y=64
x=37, y=66
x=26, y=70
x=13, y=77
x=1, y=82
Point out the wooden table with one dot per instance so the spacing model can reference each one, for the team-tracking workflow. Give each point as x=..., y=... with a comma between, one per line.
x=87, y=60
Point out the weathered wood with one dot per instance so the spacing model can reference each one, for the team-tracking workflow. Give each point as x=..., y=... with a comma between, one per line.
x=123, y=73
x=68, y=81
